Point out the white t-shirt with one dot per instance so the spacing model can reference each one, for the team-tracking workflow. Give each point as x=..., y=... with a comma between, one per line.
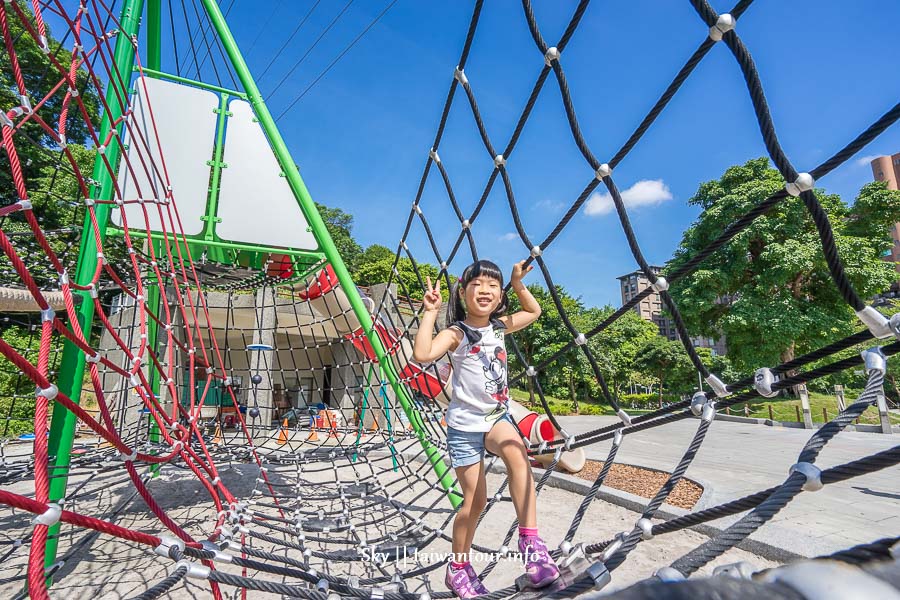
x=479, y=390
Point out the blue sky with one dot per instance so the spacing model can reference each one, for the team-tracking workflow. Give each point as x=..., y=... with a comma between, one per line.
x=362, y=134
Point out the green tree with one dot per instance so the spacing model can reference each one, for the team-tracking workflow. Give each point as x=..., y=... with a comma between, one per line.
x=40, y=75
x=340, y=226
x=667, y=361
x=616, y=347
x=543, y=338
x=375, y=264
x=769, y=290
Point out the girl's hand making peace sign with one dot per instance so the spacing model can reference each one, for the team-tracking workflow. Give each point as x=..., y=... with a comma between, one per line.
x=432, y=299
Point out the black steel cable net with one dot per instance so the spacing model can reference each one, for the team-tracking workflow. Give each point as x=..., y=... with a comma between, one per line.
x=721, y=28
x=343, y=500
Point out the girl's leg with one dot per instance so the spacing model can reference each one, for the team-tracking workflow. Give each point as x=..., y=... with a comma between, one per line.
x=479, y=502
x=504, y=441
x=471, y=480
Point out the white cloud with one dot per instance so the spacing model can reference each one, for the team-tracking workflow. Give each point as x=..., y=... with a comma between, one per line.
x=547, y=205
x=506, y=237
x=646, y=192
x=863, y=161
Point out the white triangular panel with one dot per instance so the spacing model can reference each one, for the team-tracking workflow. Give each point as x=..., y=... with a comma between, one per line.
x=174, y=143
x=256, y=204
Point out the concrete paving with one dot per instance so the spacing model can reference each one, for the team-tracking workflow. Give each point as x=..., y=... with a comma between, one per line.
x=738, y=459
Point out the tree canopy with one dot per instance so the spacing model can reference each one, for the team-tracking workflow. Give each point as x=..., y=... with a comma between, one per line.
x=769, y=290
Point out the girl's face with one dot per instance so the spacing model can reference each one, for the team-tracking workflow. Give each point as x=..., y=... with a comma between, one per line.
x=482, y=296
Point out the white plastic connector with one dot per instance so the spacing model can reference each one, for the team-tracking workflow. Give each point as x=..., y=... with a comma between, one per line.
x=570, y=439
x=50, y=392
x=646, y=527
x=48, y=314
x=5, y=121
x=499, y=161
x=434, y=155
x=403, y=245
x=551, y=55
x=536, y=251
x=216, y=481
x=698, y=401
x=709, y=412
x=877, y=323
x=602, y=171
x=660, y=285
x=624, y=416
x=617, y=437
x=166, y=543
x=738, y=570
x=803, y=183
x=50, y=516
x=63, y=278
x=812, y=473
x=194, y=570
x=817, y=580
x=724, y=24
x=466, y=224
x=565, y=547
x=669, y=575
x=24, y=204
x=763, y=380
x=460, y=76
x=530, y=371
x=613, y=547
x=129, y=457
x=717, y=385
x=417, y=208
x=874, y=359
x=580, y=339
x=93, y=358
x=218, y=555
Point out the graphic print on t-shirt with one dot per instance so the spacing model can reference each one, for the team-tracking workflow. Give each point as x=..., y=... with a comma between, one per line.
x=494, y=369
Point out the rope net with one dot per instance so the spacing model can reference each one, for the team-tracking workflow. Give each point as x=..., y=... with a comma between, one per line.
x=235, y=431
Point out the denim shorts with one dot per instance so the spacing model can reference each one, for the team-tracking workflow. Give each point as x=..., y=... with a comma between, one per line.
x=467, y=447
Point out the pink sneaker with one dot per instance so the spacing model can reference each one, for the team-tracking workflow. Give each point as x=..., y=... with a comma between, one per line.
x=476, y=582
x=539, y=566
x=461, y=583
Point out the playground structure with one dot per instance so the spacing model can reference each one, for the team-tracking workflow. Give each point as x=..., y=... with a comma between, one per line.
x=163, y=296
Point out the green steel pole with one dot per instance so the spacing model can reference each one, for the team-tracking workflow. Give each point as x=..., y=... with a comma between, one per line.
x=154, y=61
x=331, y=253
x=71, y=372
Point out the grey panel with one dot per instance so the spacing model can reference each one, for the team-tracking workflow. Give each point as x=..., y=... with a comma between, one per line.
x=256, y=203
x=186, y=125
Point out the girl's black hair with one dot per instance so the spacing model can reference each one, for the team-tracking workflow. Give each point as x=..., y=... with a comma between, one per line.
x=456, y=310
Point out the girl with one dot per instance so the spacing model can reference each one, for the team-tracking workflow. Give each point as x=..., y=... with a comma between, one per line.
x=477, y=417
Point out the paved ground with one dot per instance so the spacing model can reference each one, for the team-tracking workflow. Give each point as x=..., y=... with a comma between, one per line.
x=737, y=459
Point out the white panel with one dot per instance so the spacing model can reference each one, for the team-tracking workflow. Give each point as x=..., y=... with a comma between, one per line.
x=186, y=126
x=256, y=203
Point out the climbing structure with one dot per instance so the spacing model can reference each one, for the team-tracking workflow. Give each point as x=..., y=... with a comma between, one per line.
x=199, y=400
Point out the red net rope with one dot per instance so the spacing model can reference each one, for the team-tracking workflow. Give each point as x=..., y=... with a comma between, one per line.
x=167, y=264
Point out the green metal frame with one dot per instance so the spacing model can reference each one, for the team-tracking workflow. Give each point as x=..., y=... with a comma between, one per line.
x=71, y=371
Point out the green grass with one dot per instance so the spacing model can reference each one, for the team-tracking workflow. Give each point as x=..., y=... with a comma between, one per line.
x=562, y=407
x=783, y=409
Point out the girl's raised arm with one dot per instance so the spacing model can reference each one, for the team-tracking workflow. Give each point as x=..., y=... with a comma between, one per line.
x=428, y=348
x=531, y=310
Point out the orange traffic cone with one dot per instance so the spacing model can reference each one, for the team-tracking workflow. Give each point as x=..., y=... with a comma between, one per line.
x=217, y=436
x=282, y=433
x=443, y=421
x=374, y=426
